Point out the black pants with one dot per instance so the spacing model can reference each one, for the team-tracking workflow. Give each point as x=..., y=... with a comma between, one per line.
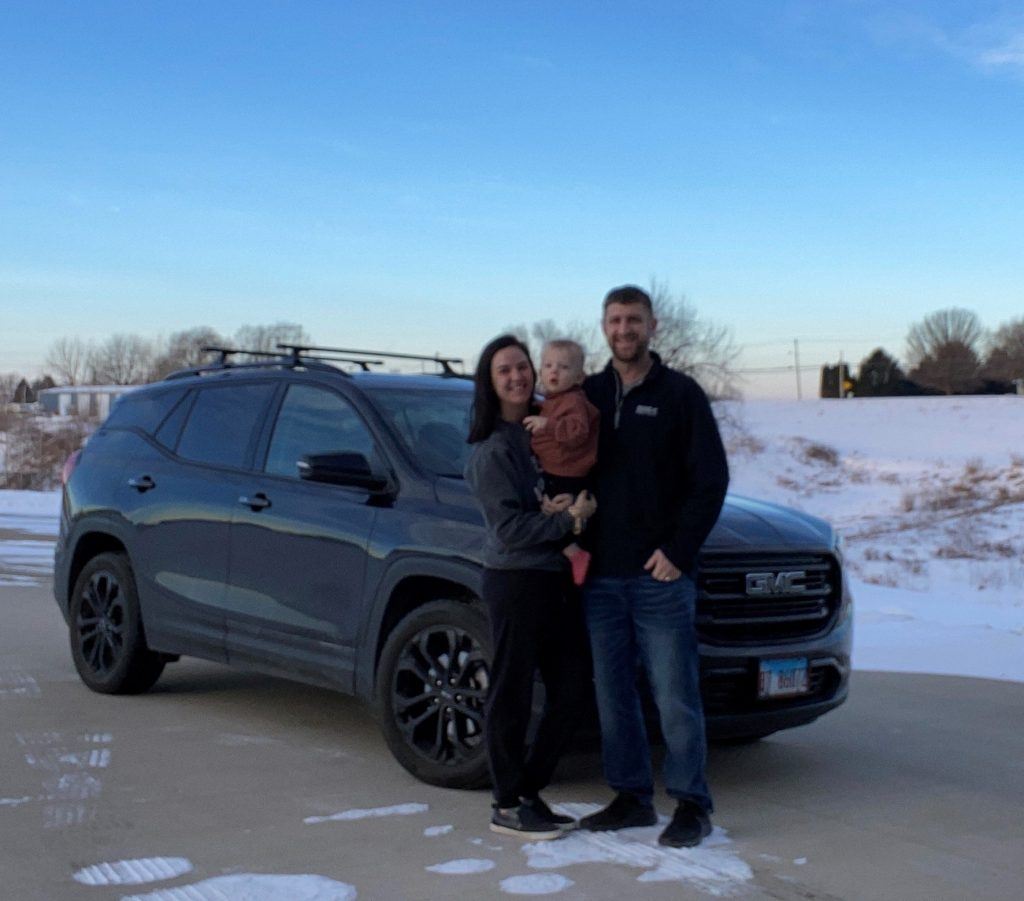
x=537, y=622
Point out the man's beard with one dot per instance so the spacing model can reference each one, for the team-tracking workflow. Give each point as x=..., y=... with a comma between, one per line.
x=638, y=352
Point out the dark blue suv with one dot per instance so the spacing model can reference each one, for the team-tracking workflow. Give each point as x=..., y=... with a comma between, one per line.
x=311, y=522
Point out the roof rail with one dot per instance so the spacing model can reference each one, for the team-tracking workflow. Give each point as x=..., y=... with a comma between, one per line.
x=444, y=362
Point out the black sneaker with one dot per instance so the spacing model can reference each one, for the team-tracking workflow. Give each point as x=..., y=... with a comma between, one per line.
x=539, y=806
x=525, y=822
x=689, y=827
x=625, y=812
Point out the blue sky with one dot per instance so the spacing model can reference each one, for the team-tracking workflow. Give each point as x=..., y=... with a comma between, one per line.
x=416, y=176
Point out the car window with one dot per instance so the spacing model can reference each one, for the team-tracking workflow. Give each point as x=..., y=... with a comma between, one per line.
x=221, y=424
x=143, y=410
x=432, y=424
x=315, y=421
x=170, y=428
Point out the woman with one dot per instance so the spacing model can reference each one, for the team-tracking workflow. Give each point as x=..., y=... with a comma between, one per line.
x=535, y=614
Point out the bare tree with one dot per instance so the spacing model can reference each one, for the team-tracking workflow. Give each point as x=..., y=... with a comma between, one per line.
x=585, y=335
x=8, y=384
x=943, y=350
x=1005, y=359
x=121, y=360
x=686, y=341
x=267, y=337
x=183, y=350
x=69, y=359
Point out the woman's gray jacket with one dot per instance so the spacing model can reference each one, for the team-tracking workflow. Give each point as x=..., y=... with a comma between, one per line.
x=503, y=475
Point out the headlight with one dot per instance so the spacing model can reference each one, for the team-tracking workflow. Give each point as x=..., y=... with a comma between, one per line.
x=838, y=545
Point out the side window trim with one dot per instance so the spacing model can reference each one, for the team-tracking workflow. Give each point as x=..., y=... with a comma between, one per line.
x=187, y=401
x=265, y=433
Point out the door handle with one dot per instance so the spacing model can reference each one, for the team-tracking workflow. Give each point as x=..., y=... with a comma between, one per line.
x=257, y=502
x=141, y=484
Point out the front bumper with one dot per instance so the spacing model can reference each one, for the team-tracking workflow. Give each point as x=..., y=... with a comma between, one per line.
x=729, y=678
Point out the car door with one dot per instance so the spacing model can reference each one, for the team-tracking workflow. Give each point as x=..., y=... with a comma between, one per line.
x=298, y=553
x=184, y=494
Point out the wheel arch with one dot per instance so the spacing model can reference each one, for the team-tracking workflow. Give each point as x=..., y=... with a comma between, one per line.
x=406, y=586
x=89, y=545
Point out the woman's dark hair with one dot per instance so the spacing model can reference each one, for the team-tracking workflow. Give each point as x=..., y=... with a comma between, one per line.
x=486, y=406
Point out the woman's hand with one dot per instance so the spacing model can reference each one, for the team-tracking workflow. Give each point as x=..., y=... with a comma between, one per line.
x=583, y=507
x=535, y=423
x=549, y=506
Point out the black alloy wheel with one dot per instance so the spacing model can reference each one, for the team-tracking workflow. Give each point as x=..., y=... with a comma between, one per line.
x=433, y=680
x=107, y=642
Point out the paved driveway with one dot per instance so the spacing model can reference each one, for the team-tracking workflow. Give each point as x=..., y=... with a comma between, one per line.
x=243, y=786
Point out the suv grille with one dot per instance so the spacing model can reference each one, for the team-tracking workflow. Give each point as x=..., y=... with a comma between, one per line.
x=761, y=598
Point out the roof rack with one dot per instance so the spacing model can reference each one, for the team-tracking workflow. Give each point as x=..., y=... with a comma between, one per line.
x=226, y=352
x=364, y=365
x=273, y=358
x=296, y=350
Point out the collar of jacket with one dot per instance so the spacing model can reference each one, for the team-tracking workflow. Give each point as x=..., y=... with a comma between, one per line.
x=656, y=368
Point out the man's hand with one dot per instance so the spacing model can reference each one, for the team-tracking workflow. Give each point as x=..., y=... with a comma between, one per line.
x=663, y=569
x=534, y=423
x=549, y=506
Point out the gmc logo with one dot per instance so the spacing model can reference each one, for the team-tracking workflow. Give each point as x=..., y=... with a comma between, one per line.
x=759, y=584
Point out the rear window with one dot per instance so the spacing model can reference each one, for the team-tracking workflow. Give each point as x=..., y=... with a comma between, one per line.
x=222, y=424
x=143, y=410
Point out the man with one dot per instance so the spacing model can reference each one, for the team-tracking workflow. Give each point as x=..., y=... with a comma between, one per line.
x=661, y=481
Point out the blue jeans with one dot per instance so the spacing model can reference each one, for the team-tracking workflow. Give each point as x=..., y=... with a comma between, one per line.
x=643, y=620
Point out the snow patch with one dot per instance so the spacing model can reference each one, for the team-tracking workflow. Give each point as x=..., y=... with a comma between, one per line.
x=255, y=887
x=133, y=872
x=462, y=867
x=16, y=683
x=400, y=810
x=14, y=802
x=431, y=831
x=711, y=867
x=536, y=884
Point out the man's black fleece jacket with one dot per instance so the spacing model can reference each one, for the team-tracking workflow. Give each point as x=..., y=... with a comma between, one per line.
x=661, y=471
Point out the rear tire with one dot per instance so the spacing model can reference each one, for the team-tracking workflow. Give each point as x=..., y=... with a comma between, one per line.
x=108, y=644
x=432, y=683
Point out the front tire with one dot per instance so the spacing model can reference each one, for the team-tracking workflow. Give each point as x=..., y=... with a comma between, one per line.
x=432, y=684
x=108, y=645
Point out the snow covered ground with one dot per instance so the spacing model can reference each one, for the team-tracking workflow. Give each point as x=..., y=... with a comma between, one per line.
x=929, y=493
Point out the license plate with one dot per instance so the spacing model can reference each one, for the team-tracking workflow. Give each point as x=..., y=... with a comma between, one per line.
x=782, y=678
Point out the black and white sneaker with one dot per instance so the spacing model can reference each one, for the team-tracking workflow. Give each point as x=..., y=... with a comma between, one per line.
x=626, y=811
x=540, y=806
x=524, y=822
x=689, y=827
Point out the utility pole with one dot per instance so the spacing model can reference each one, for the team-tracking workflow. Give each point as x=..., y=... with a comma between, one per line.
x=842, y=381
x=796, y=359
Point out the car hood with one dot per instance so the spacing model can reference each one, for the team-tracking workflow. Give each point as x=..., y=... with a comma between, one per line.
x=744, y=523
x=748, y=524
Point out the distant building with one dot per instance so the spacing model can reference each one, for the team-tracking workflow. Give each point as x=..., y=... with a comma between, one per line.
x=87, y=401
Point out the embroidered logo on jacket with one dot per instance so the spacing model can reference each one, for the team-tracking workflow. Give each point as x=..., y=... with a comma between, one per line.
x=644, y=410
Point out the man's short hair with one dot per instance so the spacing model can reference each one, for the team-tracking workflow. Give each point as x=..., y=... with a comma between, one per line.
x=628, y=294
x=576, y=352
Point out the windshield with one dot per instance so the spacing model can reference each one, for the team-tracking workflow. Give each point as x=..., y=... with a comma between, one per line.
x=433, y=425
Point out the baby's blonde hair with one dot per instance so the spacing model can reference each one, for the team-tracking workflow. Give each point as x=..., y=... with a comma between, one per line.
x=576, y=352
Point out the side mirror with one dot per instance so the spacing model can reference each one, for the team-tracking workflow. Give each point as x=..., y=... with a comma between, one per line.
x=349, y=469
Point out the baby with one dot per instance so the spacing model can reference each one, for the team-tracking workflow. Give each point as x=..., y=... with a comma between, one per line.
x=564, y=435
